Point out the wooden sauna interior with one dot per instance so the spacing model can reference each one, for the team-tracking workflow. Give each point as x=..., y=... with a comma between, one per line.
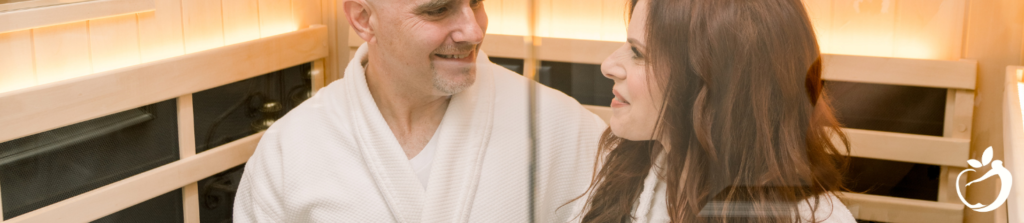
x=71, y=63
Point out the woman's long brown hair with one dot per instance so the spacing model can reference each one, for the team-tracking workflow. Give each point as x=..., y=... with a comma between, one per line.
x=749, y=126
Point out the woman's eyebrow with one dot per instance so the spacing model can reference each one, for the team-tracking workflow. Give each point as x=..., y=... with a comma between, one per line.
x=636, y=43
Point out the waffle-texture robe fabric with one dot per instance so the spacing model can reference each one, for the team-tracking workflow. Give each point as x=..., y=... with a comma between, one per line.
x=334, y=158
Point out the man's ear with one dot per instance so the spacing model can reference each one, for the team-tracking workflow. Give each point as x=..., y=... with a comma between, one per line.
x=358, y=13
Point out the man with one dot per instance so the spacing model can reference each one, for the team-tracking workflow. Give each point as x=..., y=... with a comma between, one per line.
x=423, y=128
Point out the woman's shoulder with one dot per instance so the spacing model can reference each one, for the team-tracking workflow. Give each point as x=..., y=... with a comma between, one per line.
x=827, y=209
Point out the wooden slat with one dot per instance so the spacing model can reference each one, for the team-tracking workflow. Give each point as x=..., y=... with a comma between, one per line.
x=317, y=75
x=203, y=25
x=307, y=12
x=820, y=13
x=337, y=39
x=576, y=51
x=604, y=112
x=908, y=147
x=897, y=71
x=16, y=69
x=114, y=42
x=186, y=149
x=493, y=8
x=507, y=46
x=544, y=15
x=929, y=29
x=61, y=52
x=52, y=15
x=892, y=209
x=613, y=20
x=50, y=106
x=1013, y=140
x=141, y=187
x=160, y=33
x=863, y=27
x=561, y=19
x=241, y=21
x=514, y=14
x=276, y=17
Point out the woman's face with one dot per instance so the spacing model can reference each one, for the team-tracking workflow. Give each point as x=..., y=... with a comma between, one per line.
x=636, y=106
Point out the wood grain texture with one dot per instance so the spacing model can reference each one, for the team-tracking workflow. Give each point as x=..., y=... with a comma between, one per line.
x=898, y=71
x=66, y=13
x=186, y=149
x=61, y=52
x=929, y=29
x=909, y=148
x=863, y=27
x=241, y=20
x=276, y=17
x=307, y=12
x=892, y=209
x=16, y=69
x=122, y=194
x=203, y=25
x=160, y=32
x=47, y=107
x=506, y=46
x=576, y=51
x=114, y=42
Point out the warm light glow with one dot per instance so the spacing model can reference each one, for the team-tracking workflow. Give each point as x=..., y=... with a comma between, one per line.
x=1020, y=75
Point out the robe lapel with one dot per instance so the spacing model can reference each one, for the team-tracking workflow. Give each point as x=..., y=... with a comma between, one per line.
x=381, y=151
x=461, y=146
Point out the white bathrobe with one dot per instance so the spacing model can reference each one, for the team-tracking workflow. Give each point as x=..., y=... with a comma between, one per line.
x=334, y=159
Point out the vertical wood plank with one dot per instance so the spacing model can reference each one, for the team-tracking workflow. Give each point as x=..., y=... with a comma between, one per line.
x=613, y=20
x=820, y=13
x=317, y=75
x=863, y=27
x=241, y=21
x=544, y=18
x=61, y=51
x=929, y=29
x=561, y=18
x=114, y=42
x=160, y=31
x=276, y=17
x=306, y=12
x=203, y=25
x=186, y=149
x=515, y=17
x=337, y=40
x=494, y=16
x=16, y=69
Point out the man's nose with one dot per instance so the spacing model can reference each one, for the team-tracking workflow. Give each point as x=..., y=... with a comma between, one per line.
x=467, y=29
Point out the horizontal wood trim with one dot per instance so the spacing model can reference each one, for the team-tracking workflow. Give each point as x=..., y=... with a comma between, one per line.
x=604, y=112
x=49, y=106
x=1013, y=141
x=506, y=46
x=894, y=209
x=898, y=71
x=910, y=148
x=119, y=195
x=57, y=14
x=575, y=51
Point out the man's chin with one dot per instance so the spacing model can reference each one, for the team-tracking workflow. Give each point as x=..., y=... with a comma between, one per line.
x=453, y=83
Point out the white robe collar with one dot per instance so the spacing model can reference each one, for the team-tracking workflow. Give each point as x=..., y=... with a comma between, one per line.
x=467, y=124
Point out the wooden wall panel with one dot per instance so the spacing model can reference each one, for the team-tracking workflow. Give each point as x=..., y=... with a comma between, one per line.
x=202, y=24
x=865, y=27
x=276, y=17
x=241, y=21
x=307, y=12
x=494, y=16
x=820, y=13
x=515, y=16
x=545, y=18
x=613, y=20
x=562, y=18
x=160, y=32
x=61, y=51
x=16, y=69
x=929, y=29
x=114, y=42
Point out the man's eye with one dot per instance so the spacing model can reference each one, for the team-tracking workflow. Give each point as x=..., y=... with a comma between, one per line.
x=475, y=3
x=437, y=12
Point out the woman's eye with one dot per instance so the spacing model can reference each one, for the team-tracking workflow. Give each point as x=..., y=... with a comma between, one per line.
x=636, y=53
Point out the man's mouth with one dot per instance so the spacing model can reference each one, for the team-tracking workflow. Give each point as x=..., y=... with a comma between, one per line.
x=452, y=56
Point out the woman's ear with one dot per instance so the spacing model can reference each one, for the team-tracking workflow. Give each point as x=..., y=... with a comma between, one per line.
x=358, y=13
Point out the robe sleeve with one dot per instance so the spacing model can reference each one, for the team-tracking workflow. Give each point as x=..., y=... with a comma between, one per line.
x=261, y=196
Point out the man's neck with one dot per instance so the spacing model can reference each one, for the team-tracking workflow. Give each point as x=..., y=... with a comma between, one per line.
x=412, y=111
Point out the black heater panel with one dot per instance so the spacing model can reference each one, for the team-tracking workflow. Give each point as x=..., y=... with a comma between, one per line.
x=233, y=111
x=585, y=82
x=48, y=167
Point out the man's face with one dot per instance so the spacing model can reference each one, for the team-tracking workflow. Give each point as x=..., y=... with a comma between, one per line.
x=433, y=41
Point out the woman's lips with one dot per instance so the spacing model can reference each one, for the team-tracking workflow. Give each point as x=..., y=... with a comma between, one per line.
x=618, y=101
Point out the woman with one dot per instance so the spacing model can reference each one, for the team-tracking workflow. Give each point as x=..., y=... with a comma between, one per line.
x=718, y=116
